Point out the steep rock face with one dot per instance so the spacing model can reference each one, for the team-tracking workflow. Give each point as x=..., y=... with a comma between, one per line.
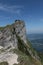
x=8, y=34
x=20, y=29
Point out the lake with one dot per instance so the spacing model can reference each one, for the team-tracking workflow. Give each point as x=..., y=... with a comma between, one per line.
x=37, y=41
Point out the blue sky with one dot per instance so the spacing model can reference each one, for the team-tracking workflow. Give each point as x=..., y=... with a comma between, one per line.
x=31, y=11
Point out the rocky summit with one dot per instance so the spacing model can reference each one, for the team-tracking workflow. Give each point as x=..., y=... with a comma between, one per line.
x=8, y=34
x=15, y=48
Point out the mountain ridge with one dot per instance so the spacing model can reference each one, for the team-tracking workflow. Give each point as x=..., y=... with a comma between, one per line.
x=14, y=37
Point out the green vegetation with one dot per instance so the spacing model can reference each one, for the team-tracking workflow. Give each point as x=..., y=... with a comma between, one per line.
x=24, y=55
x=41, y=56
x=32, y=49
x=3, y=63
x=2, y=50
x=26, y=47
x=21, y=46
x=1, y=28
x=24, y=59
x=8, y=26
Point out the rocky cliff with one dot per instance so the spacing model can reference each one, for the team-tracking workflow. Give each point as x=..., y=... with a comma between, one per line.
x=14, y=37
x=8, y=34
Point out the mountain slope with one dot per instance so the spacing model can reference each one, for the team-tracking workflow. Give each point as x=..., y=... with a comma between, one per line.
x=13, y=39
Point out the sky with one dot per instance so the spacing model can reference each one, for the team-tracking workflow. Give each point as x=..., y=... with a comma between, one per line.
x=30, y=11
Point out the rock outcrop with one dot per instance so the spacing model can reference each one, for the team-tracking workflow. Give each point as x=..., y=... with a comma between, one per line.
x=8, y=36
x=14, y=36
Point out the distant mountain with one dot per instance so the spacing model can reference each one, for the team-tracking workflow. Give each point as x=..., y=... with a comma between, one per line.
x=16, y=48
